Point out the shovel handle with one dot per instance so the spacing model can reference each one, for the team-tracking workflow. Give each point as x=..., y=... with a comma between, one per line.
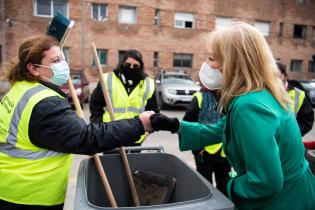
x=109, y=108
x=97, y=160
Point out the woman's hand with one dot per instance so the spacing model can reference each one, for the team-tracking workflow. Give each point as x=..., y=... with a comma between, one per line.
x=146, y=122
x=162, y=122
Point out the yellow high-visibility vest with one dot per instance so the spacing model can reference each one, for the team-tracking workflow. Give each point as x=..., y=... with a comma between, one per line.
x=297, y=96
x=212, y=149
x=127, y=106
x=29, y=175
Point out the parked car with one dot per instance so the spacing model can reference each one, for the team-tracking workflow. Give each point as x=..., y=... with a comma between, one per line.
x=4, y=87
x=175, y=88
x=81, y=86
x=308, y=86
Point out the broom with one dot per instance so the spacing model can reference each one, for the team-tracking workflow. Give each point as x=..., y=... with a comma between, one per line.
x=60, y=28
x=109, y=107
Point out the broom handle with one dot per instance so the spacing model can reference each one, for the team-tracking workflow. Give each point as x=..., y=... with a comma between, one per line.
x=109, y=107
x=80, y=113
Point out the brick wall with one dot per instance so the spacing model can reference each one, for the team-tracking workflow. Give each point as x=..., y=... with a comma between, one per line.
x=165, y=39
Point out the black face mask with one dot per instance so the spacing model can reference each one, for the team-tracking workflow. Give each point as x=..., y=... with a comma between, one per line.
x=132, y=74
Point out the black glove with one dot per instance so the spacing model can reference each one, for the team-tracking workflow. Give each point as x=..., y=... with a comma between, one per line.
x=164, y=123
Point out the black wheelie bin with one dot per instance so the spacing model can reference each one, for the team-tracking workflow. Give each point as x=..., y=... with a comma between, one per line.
x=191, y=190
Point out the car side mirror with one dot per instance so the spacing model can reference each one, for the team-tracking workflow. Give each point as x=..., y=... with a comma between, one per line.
x=157, y=81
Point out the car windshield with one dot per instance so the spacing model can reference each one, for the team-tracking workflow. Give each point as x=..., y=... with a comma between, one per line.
x=76, y=79
x=308, y=85
x=178, y=79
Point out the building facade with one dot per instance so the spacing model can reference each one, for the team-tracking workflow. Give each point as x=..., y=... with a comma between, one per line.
x=170, y=34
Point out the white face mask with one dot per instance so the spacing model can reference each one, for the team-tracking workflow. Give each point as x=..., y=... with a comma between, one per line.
x=209, y=77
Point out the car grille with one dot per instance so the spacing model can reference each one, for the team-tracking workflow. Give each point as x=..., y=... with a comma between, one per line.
x=185, y=92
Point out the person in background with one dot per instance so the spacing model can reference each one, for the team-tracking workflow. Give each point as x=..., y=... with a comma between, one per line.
x=39, y=130
x=261, y=138
x=130, y=89
x=301, y=105
x=210, y=159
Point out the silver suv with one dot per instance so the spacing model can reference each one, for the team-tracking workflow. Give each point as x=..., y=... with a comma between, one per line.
x=175, y=88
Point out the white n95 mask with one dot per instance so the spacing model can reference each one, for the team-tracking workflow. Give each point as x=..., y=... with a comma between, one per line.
x=209, y=77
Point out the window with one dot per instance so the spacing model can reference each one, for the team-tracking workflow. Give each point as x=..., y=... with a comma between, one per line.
x=263, y=27
x=156, y=59
x=48, y=8
x=102, y=55
x=99, y=12
x=280, y=32
x=302, y=1
x=184, y=20
x=66, y=53
x=221, y=22
x=127, y=15
x=121, y=53
x=311, y=67
x=182, y=60
x=296, y=65
x=313, y=33
x=157, y=17
x=299, y=31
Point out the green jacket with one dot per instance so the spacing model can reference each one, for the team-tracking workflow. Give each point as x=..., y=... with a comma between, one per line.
x=263, y=144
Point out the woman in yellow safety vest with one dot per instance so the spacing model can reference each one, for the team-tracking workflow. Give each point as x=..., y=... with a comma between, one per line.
x=130, y=89
x=38, y=130
x=301, y=106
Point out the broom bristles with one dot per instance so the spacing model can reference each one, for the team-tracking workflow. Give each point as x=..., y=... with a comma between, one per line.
x=58, y=26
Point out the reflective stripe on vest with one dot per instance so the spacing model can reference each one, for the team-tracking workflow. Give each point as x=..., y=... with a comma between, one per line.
x=127, y=106
x=297, y=96
x=29, y=175
x=212, y=149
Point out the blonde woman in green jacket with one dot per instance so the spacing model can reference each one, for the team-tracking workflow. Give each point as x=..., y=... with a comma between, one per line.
x=259, y=132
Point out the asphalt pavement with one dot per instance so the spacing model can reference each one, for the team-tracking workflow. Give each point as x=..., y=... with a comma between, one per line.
x=165, y=139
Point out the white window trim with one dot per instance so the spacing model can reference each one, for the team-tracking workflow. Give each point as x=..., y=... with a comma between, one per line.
x=180, y=17
x=263, y=23
x=134, y=8
x=221, y=22
x=99, y=11
x=51, y=9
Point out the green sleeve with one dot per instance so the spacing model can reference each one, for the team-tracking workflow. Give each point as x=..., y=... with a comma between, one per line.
x=254, y=127
x=194, y=136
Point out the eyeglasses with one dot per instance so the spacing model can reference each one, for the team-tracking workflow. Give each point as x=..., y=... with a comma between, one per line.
x=129, y=65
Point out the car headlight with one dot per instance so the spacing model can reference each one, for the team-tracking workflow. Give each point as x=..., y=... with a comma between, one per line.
x=78, y=91
x=171, y=91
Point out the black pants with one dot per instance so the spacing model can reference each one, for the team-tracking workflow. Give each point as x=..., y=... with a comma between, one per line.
x=220, y=169
x=4, y=205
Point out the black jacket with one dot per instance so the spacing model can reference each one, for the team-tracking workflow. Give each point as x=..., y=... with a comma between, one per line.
x=55, y=126
x=97, y=103
x=305, y=115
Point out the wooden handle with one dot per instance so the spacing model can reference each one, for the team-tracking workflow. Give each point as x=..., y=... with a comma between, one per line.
x=109, y=108
x=97, y=160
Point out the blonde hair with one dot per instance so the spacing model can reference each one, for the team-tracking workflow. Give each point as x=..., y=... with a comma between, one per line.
x=247, y=63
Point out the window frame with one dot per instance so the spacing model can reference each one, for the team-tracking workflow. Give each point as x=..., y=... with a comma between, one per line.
x=155, y=59
x=260, y=25
x=182, y=19
x=293, y=65
x=98, y=51
x=132, y=8
x=304, y=32
x=51, y=9
x=227, y=21
x=311, y=66
x=157, y=17
x=182, y=60
x=99, y=11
